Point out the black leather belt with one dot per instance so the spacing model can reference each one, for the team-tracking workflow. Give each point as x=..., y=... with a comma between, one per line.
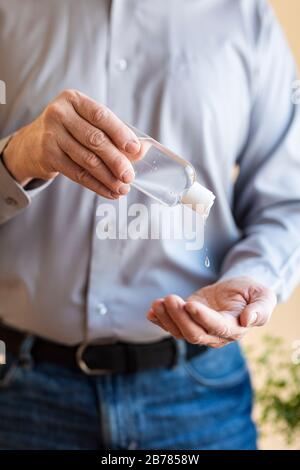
x=96, y=358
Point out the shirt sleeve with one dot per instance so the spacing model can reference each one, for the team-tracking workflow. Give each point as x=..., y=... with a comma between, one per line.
x=267, y=190
x=13, y=197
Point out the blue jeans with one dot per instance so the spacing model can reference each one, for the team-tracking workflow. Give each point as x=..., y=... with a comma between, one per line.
x=201, y=404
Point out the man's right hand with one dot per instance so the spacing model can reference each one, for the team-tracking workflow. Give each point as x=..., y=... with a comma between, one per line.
x=79, y=138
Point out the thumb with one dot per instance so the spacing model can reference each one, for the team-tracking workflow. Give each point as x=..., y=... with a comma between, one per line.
x=258, y=312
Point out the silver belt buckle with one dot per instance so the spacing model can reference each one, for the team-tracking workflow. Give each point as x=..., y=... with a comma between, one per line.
x=82, y=363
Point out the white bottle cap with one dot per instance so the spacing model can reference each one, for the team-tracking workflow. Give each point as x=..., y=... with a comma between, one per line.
x=199, y=198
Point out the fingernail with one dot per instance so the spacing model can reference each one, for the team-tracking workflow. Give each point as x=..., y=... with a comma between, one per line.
x=124, y=189
x=128, y=176
x=133, y=146
x=252, y=319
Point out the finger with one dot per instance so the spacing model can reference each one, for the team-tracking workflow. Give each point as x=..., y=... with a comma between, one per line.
x=103, y=118
x=216, y=324
x=91, y=162
x=80, y=176
x=191, y=331
x=163, y=317
x=146, y=145
x=151, y=317
x=219, y=343
x=99, y=143
x=262, y=302
x=257, y=313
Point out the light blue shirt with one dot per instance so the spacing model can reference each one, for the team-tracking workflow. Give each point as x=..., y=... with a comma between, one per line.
x=211, y=80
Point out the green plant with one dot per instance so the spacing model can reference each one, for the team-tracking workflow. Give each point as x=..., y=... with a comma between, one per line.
x=277, y=385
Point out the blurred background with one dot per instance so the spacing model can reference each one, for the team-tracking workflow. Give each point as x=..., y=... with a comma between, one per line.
x=275, y=377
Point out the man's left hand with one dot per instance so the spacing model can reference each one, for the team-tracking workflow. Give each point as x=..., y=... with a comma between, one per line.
x=217, y=314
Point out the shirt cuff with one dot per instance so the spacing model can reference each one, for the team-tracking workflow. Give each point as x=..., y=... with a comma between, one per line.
x=13, y=197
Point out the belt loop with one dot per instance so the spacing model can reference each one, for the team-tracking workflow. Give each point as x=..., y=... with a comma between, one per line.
x=25, y=358
x=180, y=352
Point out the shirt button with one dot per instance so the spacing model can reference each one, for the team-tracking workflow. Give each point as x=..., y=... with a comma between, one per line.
x=101, y=308
x=122, y=65
x=10, y=201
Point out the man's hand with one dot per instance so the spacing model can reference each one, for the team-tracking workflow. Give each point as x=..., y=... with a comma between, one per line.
x=217, y=314
x=79, y=138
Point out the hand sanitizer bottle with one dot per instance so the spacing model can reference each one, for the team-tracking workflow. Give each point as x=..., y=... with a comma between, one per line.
x=168, y=178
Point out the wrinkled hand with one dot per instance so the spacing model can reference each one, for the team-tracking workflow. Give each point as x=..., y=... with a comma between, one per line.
x=79, y=138
x=215, y=315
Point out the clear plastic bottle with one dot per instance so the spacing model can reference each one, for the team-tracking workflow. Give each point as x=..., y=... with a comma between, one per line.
x=168, y=178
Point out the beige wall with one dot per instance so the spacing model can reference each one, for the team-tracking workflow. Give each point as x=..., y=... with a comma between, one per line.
x=286, y=319
x=289, y=14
